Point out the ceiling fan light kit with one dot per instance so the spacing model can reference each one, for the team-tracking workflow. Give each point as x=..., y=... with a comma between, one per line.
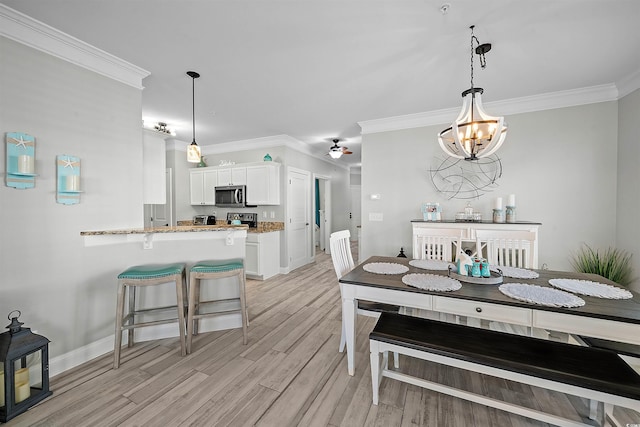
x=474, y=134
x=336, y=151
x=193, y=150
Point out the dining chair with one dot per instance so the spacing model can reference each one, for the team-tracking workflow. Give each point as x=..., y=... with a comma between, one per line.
x=340, y=246
x=437, y=244
x=507, y=248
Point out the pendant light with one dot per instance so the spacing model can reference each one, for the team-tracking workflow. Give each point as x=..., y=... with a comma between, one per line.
x=193, y=151
x=474, y=134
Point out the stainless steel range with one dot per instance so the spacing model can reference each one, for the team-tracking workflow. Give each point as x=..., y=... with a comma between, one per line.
x=250, y=219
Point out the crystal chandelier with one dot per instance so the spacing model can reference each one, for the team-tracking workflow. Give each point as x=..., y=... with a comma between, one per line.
x=474, y=134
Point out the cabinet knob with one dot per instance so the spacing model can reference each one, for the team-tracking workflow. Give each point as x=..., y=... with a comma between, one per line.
x=479, y=309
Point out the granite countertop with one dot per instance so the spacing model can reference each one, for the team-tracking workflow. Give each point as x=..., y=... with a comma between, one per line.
x=177, y=229
x=263, y=226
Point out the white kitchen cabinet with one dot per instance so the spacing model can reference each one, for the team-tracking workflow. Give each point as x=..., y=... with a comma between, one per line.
x=202, y=185
x=232, y=176
x=263, y=184
x=262, y=259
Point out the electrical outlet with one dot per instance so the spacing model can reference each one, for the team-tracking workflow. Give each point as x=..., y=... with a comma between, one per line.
x=273, y=214
x=229, y=239
x=375, y=216
x=264, y=214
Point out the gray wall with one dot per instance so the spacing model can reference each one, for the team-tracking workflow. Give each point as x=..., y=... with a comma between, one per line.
x=561, y=164
x=628, y=203
x=45, y=271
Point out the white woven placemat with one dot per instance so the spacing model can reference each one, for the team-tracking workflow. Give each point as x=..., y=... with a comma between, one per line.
x=430, y=264
x=385, y=268
x=431, y=282
x=592, y=289
x=515, y=272
x=540, y=295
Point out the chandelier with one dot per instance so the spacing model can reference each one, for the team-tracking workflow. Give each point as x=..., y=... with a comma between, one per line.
x=474, y=134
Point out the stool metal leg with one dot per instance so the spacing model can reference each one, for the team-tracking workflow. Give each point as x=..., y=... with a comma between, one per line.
x=180, y=297
x=118, y=332
x=243, y=306
x=131, y=290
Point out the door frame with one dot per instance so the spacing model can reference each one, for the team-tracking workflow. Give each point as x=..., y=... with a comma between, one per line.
x=326, y=186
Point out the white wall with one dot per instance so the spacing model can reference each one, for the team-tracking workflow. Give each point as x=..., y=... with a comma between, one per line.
x=628, y=204
x=45, y=271
x=561, y=164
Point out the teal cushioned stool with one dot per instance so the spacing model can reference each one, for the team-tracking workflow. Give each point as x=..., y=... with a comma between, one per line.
x=214, y=269
x=149, y=275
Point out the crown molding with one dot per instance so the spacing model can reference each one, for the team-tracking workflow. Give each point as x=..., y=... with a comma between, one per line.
x=628, y=84
x=254, y=144
x=23, y=29
x=527, y=104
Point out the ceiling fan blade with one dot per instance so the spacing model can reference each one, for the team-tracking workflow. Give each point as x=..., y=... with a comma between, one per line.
x=347, y=152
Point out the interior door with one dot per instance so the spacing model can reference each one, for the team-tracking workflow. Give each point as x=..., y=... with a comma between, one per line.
x=161, y=214
x=298, y=225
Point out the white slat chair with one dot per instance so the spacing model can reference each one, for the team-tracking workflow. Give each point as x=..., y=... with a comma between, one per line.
x=437, y=244
x=507, y=248
x=340, y=246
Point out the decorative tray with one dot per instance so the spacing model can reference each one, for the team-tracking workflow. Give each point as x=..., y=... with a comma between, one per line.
x=494, y=279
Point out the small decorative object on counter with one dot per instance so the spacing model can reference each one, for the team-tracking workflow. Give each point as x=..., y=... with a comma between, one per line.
x=431, y=212
x=267, y=158
x=401, y=254
x=202, y=163
x=484, y=268
x=511, y=214
x=469, y=214
x=498, y=216
x=462, y=261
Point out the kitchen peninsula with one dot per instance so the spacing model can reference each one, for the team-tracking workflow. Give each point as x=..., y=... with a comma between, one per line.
x=112, y=251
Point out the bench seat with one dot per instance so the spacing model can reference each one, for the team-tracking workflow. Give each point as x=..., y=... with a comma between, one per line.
x=593, y=373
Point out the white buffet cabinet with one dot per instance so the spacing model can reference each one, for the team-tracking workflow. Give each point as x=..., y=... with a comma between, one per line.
x=468, y=230
x=261, y=178
x=262, y=255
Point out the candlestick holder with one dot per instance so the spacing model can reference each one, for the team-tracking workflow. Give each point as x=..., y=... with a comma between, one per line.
x=511, y=214
x=498, y=216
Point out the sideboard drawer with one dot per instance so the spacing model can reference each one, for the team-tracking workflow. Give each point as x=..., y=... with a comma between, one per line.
x=483, y=310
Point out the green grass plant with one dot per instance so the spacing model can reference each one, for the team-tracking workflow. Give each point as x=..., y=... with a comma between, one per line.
x=614, y=264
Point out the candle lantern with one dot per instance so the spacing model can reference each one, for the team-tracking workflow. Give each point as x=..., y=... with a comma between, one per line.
x=24, y=369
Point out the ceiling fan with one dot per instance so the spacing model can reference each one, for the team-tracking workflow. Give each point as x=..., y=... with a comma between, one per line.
x=336, y=151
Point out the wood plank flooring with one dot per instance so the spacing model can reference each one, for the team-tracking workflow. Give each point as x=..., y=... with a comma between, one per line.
x=289, y=374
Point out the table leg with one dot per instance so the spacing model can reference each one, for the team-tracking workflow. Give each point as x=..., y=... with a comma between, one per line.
x=349, y=318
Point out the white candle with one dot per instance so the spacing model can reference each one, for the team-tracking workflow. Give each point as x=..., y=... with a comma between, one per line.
x=498, y=204
x=25, y=164
x=22, y=375
x=511, y=201
x=73, y=183
x=23, y=391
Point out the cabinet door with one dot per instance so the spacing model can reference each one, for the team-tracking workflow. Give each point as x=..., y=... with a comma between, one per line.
x=239, y=176
x=252, y=259
x=196, y=181
x=263, y=185
x=224, y=176
x=210, y=180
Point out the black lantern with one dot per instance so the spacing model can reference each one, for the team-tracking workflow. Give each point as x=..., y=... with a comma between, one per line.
x=24, y=369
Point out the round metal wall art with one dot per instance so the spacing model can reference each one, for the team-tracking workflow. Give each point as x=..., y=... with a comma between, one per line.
x=465, y=179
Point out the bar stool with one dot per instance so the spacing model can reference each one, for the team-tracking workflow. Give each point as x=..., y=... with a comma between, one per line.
x=148, y=275
x=214, y=269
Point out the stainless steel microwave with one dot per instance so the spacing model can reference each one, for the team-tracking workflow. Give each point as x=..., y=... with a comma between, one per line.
x=231, y=196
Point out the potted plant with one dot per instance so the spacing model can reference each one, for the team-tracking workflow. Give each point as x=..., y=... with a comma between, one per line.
x=614, y=264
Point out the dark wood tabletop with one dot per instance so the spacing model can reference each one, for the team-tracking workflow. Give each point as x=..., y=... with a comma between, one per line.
x=625, y=310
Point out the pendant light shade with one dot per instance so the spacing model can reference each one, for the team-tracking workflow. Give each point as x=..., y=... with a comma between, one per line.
x=474, y=133
x=193, y=150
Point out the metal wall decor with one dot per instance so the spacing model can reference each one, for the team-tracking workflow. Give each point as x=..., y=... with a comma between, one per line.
x=459, y=179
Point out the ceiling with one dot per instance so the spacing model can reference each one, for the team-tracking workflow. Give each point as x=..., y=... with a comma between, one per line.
x=312, y=69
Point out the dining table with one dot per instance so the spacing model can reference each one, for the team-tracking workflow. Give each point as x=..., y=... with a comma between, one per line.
x=615, y=319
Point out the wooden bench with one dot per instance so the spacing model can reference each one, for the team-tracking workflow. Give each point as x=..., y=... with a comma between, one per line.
x=592, y=373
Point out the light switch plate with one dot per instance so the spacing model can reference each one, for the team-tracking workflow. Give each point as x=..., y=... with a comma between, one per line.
x=375, y=216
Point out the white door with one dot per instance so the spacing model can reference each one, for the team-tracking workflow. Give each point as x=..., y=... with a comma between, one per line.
x=298, y=225
x=161, y=214
x=354, y=220
x=327, y=215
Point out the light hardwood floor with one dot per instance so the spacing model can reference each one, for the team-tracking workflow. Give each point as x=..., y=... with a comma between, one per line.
x=290, y=373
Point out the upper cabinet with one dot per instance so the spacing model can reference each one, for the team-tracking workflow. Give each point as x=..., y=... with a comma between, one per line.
x=263, y=184
x=202, y=185
x=262, y=181
x=232, y=176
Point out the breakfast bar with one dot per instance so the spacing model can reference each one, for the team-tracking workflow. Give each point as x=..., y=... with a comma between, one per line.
x=109, y=252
